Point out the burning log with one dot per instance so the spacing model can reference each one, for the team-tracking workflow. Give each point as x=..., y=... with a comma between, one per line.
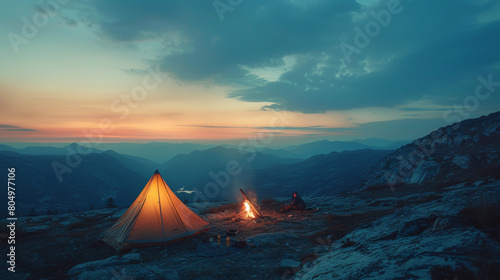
x=250, y=209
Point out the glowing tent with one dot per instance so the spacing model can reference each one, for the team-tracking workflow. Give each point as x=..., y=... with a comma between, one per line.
x=155, y=217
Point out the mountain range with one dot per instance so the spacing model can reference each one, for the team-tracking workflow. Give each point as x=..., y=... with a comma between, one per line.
x=199, y=168
x=57, y=183
x=161, y=152
x=465, y=151
x=468, y=150
x=325, y=147
x=428, y=210
x=319, y=175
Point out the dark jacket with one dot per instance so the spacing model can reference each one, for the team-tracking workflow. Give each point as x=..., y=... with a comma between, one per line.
x=298, y=202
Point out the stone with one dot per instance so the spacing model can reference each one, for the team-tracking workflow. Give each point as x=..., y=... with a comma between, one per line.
x=289, y=263
x=132, y=257
x=416, y=227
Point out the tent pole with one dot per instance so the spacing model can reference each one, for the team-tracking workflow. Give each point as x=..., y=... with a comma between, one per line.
x=161, y=215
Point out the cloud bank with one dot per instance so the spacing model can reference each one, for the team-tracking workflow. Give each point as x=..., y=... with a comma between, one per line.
x=432, y=50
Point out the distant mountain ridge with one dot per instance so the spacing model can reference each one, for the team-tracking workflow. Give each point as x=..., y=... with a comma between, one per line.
x=140, y=165
x=97, y=177
x=382, y=143
x=325, y=147
x=197, y=169
x=465, y=151
x=49, y=150
x=107, y=173
x=159, y=152
x=320, y=174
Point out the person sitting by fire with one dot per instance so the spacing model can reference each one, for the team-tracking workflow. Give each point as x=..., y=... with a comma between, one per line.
x=297, y=204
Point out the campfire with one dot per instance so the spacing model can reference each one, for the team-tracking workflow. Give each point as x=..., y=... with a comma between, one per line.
x=249, y=209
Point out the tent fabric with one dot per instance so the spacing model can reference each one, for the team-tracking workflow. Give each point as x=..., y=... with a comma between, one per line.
x=156, y=216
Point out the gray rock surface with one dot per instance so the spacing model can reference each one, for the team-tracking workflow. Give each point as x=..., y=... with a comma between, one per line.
x=407, y=244
x=462, y=151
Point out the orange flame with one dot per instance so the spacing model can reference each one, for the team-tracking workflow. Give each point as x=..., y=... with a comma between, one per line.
x=248, y=210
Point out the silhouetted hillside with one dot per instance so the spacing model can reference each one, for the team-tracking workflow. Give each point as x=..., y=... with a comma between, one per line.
x=320, y=174
x=193, y=170
x=325, y=147
x=90, y=183
x=159, y=152
x=465, y=151
x=142, y=166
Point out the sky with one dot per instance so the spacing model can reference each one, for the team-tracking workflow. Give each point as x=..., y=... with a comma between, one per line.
x=220, y=71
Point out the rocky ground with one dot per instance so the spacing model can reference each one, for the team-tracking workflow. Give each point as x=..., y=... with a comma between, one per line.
x=414, y=232
x=450, y=233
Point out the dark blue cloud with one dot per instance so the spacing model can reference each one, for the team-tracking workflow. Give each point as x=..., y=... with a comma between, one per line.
x=3, y=126
x=19, y=129
x=431, y=49
x=7, y=127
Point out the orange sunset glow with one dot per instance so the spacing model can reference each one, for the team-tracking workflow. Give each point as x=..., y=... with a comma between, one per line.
x=161, y=80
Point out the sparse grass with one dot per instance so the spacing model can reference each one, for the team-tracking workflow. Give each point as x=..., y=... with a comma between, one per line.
x=88, y=222
x=443, y=184
x=348, y=243
x=51, y=254
x=308, y=258
x=486, y=270
x=483, y=214
x=416, y=200
x=383, y=187
x=270, y=204
x=222, y=208
x=339, y=226
x=449, y=273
